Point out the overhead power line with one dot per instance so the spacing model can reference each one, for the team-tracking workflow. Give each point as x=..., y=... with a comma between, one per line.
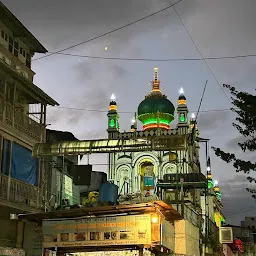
x=109, y=32
x=152, y=59
x=130, y=112
x=198, y=50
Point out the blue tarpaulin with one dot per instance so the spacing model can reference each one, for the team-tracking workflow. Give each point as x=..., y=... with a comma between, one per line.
x=24, y=166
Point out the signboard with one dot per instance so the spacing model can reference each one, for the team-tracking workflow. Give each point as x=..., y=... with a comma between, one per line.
x=68, y=191
x=105, y=231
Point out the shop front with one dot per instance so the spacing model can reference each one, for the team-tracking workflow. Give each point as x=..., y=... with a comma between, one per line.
x=143, y=229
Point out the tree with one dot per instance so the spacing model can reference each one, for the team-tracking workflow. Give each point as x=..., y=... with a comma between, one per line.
x=245, y=108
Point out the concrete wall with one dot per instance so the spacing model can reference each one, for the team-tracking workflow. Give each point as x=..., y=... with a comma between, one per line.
x=33, y=239
x=186, y=238
x=8, y=228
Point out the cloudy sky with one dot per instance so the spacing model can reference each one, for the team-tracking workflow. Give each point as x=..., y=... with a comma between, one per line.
x=219, y=28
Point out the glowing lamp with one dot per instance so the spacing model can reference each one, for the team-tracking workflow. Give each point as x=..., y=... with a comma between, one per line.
x=208, y=168
x=181, y=91
x=193, y=116
x=216, y=183
x=154, y=219
x=113, y=97
x=133, y=121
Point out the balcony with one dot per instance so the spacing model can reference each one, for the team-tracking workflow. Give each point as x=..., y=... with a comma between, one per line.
x=12, y=115
x=18, y=194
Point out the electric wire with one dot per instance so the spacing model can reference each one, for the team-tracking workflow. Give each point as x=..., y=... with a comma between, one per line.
x=198, y=50
x=130, y=112
x=237, y=213
x=151, y=59
x=201, y=100
x=109, y=32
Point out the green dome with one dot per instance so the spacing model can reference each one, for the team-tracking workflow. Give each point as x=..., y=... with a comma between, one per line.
x=156, y=104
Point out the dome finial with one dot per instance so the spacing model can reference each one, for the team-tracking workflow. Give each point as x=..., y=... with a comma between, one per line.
x=156, y=74
x=156, y=82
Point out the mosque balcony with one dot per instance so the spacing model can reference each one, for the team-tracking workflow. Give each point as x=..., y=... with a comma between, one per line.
x=15, y=121
x=17, y=194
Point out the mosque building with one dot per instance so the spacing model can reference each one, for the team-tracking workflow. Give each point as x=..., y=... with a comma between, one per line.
x=141, y=171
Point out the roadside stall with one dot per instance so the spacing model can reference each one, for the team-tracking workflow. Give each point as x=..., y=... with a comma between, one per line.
x=121, y=230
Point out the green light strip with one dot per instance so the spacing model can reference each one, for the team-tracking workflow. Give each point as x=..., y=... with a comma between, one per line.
x=155, y=121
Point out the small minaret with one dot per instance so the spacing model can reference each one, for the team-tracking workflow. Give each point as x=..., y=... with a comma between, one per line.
x=133, y=124
x=113, y=125
x=182, y=111
x=209, y=175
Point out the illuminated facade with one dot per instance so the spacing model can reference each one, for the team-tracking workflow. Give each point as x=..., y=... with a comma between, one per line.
x=140, y=171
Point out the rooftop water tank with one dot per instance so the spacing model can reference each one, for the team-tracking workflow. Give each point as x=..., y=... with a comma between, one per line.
x=108, y=193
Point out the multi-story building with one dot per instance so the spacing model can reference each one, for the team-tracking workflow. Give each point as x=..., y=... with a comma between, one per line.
x=22, y=124
x=58, y=173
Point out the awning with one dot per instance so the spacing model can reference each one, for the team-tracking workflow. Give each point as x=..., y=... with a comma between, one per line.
x=172, y=142
x=167, y=210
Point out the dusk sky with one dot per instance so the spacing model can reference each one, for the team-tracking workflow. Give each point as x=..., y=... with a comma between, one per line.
x=219, y=28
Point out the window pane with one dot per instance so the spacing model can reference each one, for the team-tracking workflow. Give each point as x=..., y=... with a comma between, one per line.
x=10, y=48
x=11, y=40
x=16, y=45
x=16, y=52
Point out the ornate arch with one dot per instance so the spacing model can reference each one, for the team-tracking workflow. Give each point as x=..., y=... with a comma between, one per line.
x=150, y=157
x=169, y=168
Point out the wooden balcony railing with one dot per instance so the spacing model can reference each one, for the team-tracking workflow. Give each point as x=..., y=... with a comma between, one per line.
x=13, y=116
x=18, y=192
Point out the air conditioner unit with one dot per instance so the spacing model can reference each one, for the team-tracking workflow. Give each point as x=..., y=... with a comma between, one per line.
x=226, y=235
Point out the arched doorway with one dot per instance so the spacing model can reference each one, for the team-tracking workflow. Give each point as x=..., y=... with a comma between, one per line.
x=147, y=177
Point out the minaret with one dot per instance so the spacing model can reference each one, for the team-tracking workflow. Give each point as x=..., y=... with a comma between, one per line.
x=182, y=111
x=217, y=190
x=113, y=125
x=209, y=177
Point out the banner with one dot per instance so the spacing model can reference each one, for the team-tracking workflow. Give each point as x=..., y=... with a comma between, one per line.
x=105, y=231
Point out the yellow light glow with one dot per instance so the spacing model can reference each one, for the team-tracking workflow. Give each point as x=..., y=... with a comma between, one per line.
x=154, y=219
x=112, y=107
x=182, y=102
x=106, y=48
